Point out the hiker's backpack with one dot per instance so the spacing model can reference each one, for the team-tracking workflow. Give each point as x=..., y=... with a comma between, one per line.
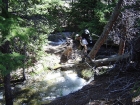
x=86, y=35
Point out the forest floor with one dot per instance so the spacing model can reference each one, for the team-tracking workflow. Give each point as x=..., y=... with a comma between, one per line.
x=117, y=86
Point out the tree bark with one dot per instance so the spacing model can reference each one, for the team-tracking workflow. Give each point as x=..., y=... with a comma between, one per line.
x=5, y=49
x=7, y=88
x=122, y=40
x=111, y=60
x=121, y=47
x=106, y=30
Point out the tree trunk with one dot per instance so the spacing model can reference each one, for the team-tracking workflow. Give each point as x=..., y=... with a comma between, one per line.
x=121, y=47
x=5, y=49
x=7, y=85
x=5, y=8
x=123, y=39
x=106, y=30
x=111, y=60
x=8, y=93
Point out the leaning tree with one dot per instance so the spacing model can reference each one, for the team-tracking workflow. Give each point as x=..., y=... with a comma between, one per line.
x=123, y=29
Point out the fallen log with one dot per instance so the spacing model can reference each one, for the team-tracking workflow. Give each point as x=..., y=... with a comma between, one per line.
x=109, y=61
x=94, y=63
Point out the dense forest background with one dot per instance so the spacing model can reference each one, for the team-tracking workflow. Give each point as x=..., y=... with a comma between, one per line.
x=26, y=24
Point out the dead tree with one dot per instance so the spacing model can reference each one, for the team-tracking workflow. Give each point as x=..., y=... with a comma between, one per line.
x=106, y=30
x=122, y=41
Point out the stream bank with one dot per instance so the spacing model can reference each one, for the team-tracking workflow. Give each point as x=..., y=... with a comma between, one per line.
x=45, y=84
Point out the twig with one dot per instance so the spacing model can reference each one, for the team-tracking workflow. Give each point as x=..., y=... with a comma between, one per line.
x=122, y=89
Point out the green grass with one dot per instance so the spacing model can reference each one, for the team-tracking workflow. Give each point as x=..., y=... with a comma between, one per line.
x=87, y=73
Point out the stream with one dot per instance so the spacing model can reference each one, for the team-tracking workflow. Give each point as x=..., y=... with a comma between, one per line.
x=42, y=86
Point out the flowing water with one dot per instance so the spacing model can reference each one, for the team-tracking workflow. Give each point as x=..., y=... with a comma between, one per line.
x=46, y=87
x=42, y=86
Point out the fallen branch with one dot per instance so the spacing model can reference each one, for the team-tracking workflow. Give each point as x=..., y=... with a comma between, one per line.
x=109, y=61
x=94, y=63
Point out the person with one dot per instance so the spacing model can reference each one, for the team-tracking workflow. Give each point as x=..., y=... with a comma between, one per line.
x=83, y=45
x=66, y=54
x=84, y=40
x=86, y=35
x=77, y=44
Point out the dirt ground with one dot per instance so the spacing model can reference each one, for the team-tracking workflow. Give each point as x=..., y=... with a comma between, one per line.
x=117, y=86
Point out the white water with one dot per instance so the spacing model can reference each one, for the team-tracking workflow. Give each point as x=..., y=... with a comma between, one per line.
x=49, y=86
x=63, y=83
